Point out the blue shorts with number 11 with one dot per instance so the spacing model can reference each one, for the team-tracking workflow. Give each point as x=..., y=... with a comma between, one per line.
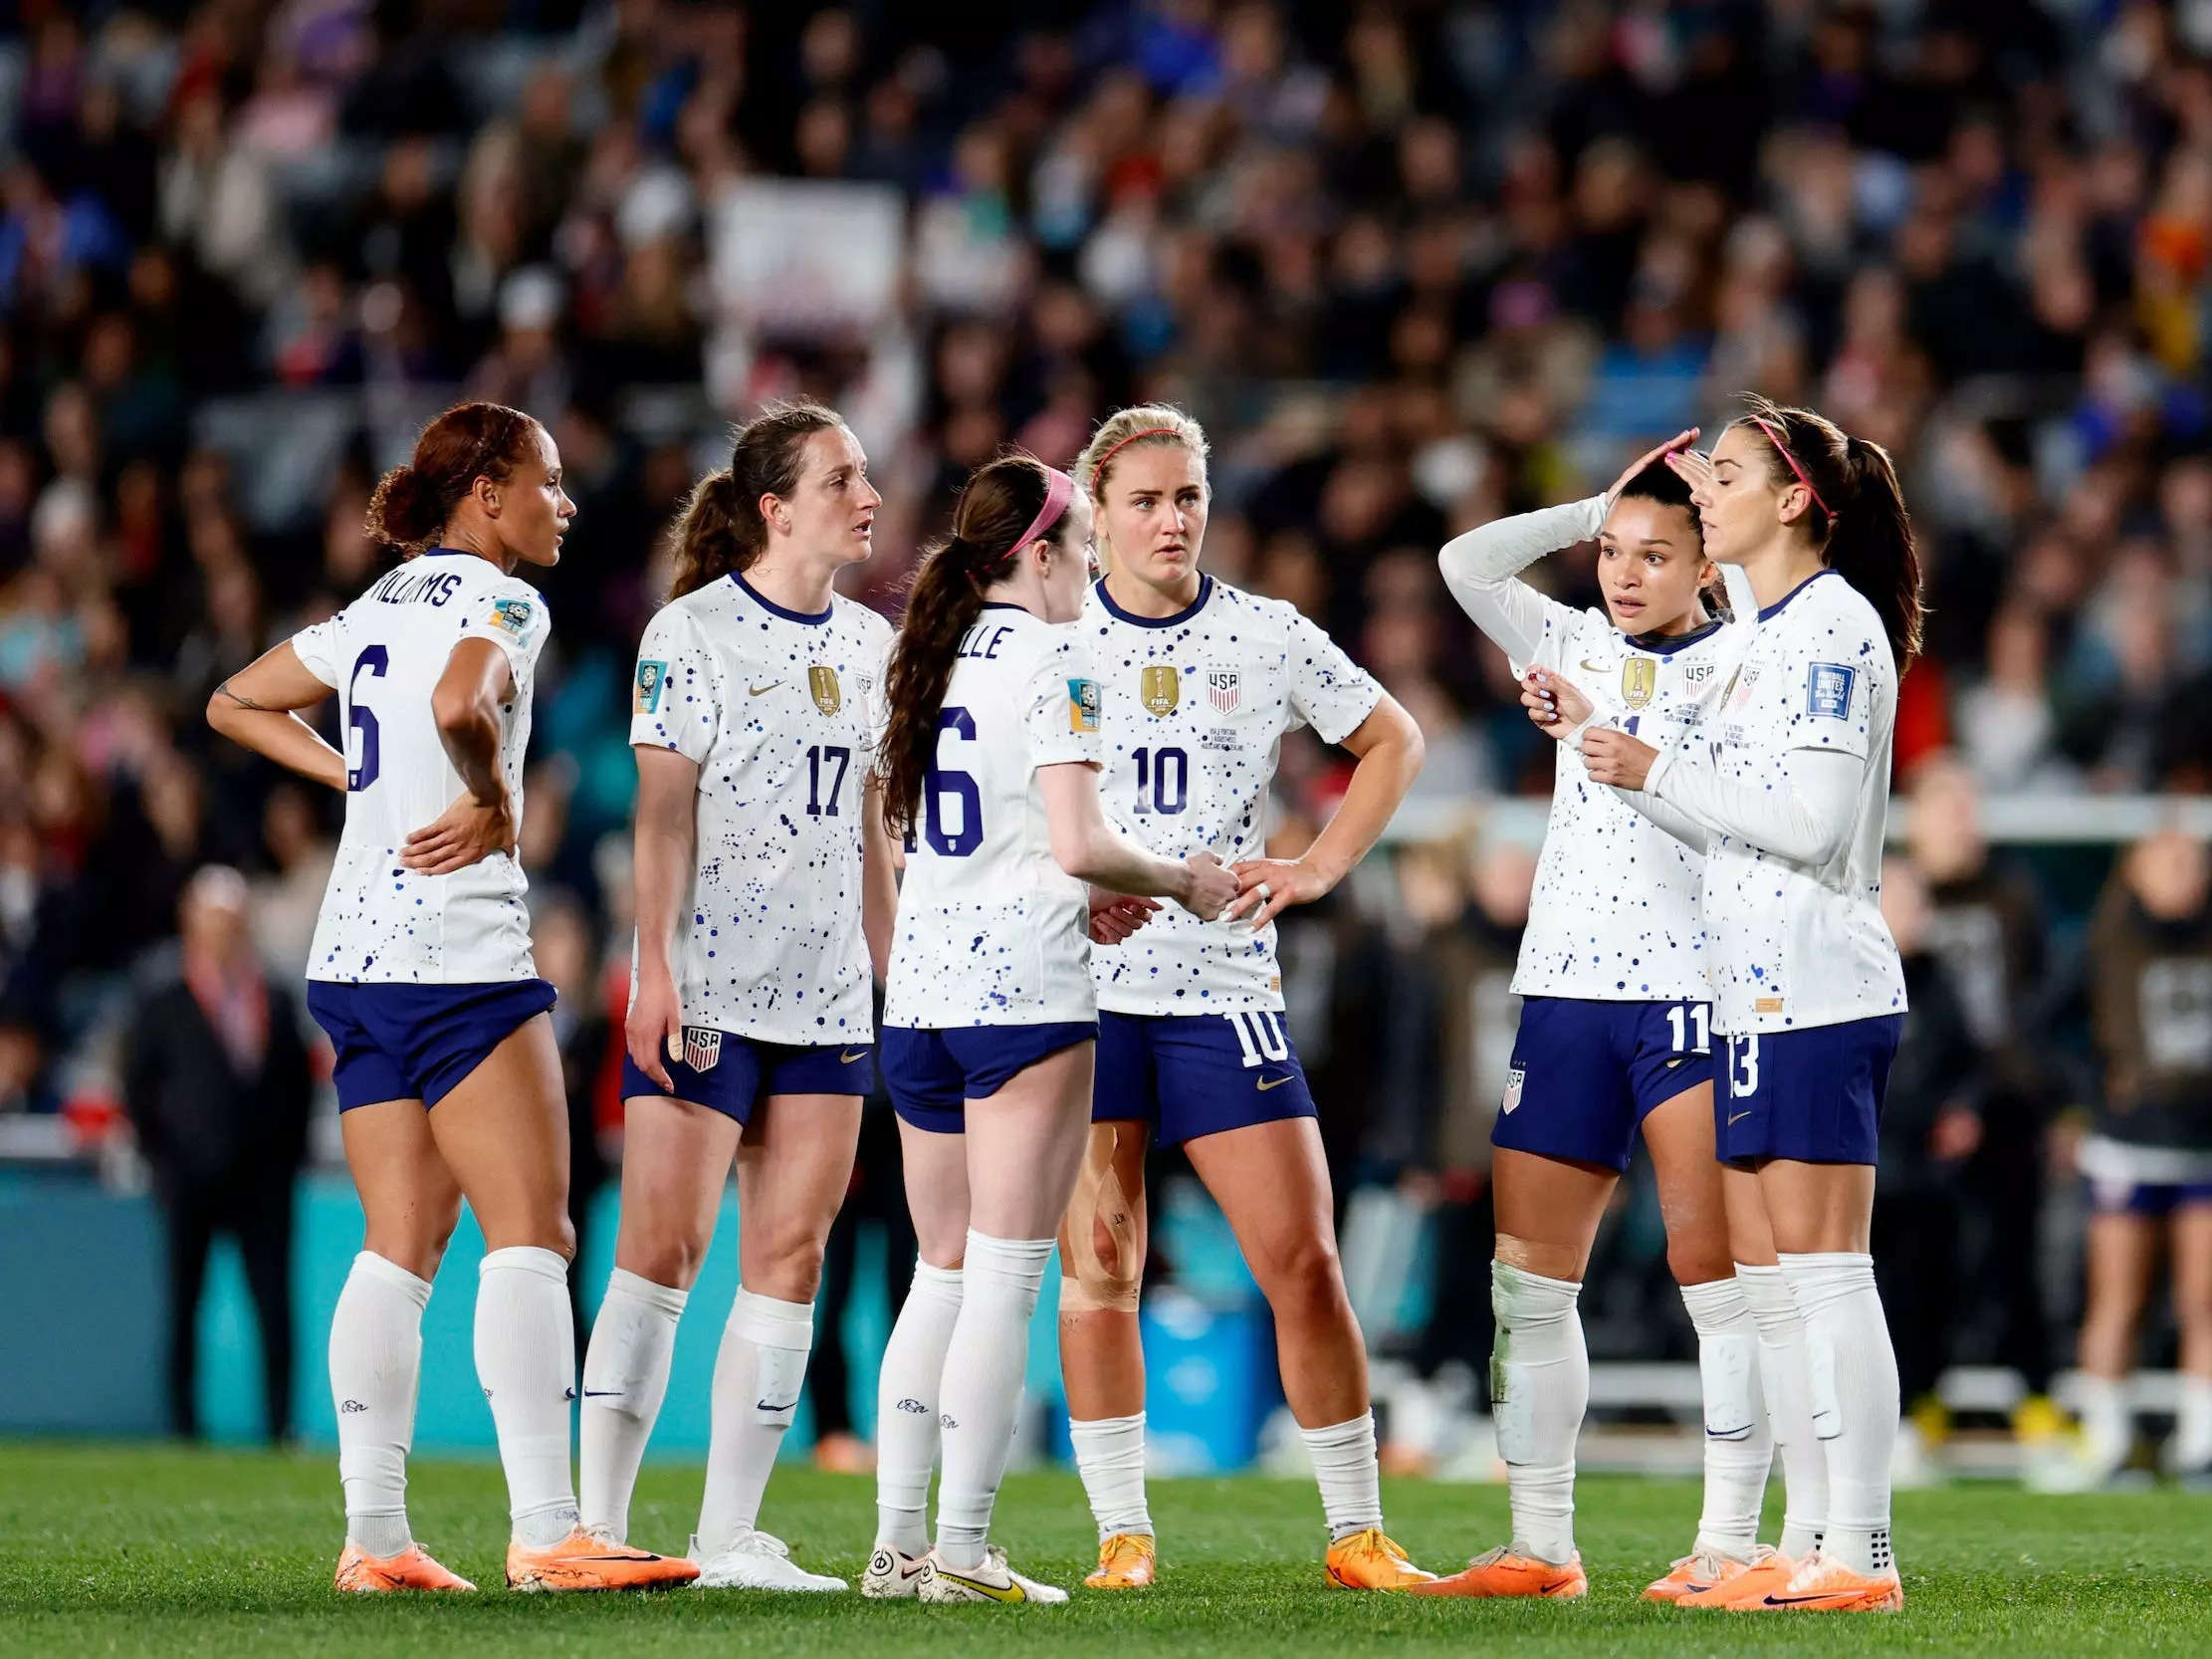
x=1585, y=1073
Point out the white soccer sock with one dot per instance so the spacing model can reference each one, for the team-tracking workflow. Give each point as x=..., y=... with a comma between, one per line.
x=1786, y=1384
x=982, y=1389
x=375, y=1368
x=1539, y=1392
x=526, y=1359
x=1110, y=1456
x=1855, y=1373
x=757, y=1377
x=2192, y=1429
x=625, y=1378
x=906, y=1407
x=1344, y=1467
x=2108, y=1419
x=1739, y=1447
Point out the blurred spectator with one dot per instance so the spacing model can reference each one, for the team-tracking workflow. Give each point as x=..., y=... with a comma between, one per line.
x=216, y=1082
x=1931, y=1124
x=2148, y=1156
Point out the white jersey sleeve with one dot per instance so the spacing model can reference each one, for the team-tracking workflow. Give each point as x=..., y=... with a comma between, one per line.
x=317, y=647
x=514, y=617
x=1328, y=691
x=676, y=694
x=1062, y=698
x=1481, y=568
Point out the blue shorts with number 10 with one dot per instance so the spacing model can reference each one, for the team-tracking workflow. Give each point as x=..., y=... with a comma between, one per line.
x=1585, y=1074
x=1193, y=1075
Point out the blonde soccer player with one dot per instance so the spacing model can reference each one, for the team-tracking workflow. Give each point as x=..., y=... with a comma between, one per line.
x=1199, y=683
x=448, y=1081
x=763, y=885
x=1786, y=787
x=991, y=766
x=1615, y=1046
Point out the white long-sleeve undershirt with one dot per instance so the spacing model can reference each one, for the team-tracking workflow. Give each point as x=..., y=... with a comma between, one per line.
x=1807, y=821
x=1480, y=566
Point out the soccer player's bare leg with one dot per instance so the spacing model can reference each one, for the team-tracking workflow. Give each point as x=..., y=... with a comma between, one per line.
x=1271, y=1181
x=2189, y=1454
x=504, y=1132
x=1103, y=1239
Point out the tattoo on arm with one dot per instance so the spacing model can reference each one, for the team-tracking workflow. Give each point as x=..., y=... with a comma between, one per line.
x=242, y=700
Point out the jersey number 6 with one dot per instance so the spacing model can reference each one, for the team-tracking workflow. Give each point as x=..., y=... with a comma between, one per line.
x=359, y=776
x=939, y=782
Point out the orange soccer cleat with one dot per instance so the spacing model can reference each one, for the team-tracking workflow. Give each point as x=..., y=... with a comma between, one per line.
x=1821, y=1586
x=1369, y=1560
x=1125, y=1561
x=360, y=1573
x=1500, y=1572
x=1769, y=1570
x=1698, y=1575
x=590, y=1561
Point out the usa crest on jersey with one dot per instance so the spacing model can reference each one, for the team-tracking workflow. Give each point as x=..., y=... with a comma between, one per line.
x=702, y=1048
x=1224, y=689
x=1513, y=1080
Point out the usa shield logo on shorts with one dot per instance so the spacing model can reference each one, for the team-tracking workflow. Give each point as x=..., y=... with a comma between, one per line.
x=823, y=682
x=1224, y=689
x=1513, y=1080
x=702, y=1048
x=1160, y=689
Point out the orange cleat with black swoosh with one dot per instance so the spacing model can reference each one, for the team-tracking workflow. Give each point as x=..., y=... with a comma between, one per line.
x=1500, y=1572
x=592, y=1560
x=1823, y=1585
x=360, y=1573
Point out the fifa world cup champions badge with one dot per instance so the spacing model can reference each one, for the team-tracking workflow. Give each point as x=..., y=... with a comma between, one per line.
x=821, y=680
x=1160, y=689
x=1638, y=681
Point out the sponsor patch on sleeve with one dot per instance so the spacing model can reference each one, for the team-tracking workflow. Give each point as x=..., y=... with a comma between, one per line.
x=1082, y=705
x=651, y=676
x=1828, y=691
x=512, y=615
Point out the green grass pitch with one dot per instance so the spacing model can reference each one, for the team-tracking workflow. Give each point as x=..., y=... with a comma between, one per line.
x=147, y=1550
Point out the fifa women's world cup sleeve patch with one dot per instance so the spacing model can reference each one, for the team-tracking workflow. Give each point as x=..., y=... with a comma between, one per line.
x=511, y=616
x=1828, y=691
x=652, y=679
x=1082, y=705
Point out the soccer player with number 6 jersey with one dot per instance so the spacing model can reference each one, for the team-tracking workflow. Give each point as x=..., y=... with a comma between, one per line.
x=990, y=768
x=763, y=885
x=448, y=1080
x=1197, y=684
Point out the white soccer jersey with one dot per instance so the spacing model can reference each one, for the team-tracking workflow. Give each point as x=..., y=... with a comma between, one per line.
x=381, y=923
x=1615, y=915
x=1795, y=945
x=1194, y=712
x=780, y=710
x=990, y=930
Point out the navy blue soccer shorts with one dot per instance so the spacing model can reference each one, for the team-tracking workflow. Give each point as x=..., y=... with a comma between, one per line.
x=417, y=1042
x=1194, y=1075
x=932, y=1075
x=1814, y=1094
x=1585, y=1074
x=728, y=1073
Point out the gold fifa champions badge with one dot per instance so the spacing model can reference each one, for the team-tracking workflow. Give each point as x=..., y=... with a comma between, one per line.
x=823, y=682
x=1160, y=689
x=1639, y=679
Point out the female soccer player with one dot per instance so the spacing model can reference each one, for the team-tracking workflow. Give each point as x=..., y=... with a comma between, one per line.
x=990, y=766
x=448, y=1080
x=760, y=858
x=1613, y=1037
x=1787, y=788
x=1200, y=683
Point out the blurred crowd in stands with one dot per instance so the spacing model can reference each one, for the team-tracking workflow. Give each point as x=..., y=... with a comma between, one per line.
x=1415, y=264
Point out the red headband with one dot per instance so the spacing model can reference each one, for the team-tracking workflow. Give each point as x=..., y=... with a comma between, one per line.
x=1059, y=489
x=1098, y=471
x=1775, y=438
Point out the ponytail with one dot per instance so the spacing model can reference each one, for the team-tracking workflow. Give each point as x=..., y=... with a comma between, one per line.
x=1857, y=517
x=946, y=598
x=722, y=530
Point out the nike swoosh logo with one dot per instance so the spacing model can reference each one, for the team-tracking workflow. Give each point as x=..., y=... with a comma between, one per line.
x=1012, y=1593
x=848, y=1060
x=1265, y=1084
x=1590, y=668
x=1739, y=1118
x=602, y=1393
x=763, y=1405
x=1800, y=1600
x=760, y=690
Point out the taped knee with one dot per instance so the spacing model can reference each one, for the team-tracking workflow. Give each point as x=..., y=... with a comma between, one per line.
x=1107, y=1267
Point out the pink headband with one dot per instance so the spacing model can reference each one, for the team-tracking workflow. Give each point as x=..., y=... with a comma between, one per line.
x=1059, y=489
x=1775, y=438
x=1099, y=471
